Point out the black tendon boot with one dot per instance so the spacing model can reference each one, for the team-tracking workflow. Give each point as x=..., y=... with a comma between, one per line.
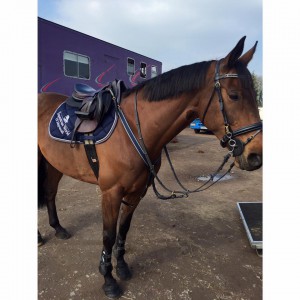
x=122, y=268
x=110, y=287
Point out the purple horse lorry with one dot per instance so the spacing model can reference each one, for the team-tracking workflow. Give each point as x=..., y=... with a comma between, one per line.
x=66, y=57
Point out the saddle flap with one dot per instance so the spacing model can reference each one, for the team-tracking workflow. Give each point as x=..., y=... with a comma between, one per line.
x=73, y=102
x=87, y=126
x=87, y=110
x=93, y=111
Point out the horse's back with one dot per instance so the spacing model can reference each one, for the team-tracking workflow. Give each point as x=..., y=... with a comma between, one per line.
x=48, y=102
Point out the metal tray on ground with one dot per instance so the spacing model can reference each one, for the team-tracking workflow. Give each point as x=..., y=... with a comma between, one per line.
x=251, y=215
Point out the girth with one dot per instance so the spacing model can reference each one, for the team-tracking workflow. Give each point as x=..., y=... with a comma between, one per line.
x=93, y=106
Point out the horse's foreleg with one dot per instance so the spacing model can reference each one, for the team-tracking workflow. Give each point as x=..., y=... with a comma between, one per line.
x=51, y=185
x=122, y=268
x=111, y=202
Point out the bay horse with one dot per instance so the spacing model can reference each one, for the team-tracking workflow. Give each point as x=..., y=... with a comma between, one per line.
x=219, y=92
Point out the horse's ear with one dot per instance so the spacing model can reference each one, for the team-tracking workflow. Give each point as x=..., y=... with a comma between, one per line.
x=245, y=59
x=233, y=56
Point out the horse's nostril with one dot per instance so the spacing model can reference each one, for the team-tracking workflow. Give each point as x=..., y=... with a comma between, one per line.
x=254, y=160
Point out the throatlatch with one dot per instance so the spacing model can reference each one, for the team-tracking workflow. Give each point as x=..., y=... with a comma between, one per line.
x=236, y=146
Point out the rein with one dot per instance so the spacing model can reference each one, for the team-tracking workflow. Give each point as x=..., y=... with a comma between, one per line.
x=236, y=146
x=174, y=193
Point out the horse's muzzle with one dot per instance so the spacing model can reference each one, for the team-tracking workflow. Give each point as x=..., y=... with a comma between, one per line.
x=251, y=162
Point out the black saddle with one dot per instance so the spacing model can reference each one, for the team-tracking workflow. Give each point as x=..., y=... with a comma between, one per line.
x=84, y=89
x=80, y=93
x=92, y=109
x=92, y=104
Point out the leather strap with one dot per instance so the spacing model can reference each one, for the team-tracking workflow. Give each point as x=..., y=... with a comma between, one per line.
x=243, y=130
x=92, y=156
x=246, y=129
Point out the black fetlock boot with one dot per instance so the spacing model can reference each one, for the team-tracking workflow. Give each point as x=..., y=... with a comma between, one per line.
x=110, y=286
x=122, y=269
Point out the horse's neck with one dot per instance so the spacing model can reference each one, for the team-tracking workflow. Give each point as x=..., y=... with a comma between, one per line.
x=161, y=121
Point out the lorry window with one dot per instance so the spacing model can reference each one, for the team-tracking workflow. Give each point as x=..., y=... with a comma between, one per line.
x=130, y=66
x=83, y=67
x=76, y=65
x=143, y=70
x=153, y=71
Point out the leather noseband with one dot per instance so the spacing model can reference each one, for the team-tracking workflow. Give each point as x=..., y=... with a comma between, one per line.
x=229, y=139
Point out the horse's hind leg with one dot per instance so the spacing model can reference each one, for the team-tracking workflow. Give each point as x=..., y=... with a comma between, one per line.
x=49, y=187
x=111, y=202
x=40, y=239
x=53, y=178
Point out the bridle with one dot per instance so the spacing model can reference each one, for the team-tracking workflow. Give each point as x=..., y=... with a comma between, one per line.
x=236, y=146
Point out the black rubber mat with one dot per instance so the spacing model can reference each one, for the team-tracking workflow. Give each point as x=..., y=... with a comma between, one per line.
x=252, y=213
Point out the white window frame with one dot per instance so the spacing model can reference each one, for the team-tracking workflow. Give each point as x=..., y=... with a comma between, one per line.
x=156, y=72
x=78, y=56
x=129, y=73
x=143, y=74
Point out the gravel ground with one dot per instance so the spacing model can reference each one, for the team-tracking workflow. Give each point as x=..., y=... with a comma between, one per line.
x=190, y=249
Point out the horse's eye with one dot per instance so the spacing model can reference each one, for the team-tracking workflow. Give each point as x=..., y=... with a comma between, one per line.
x=233, y=96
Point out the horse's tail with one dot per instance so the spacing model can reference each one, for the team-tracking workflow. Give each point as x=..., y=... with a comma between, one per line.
x=42, y=174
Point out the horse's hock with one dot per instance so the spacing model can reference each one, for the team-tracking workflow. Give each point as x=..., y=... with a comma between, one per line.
x=176, y=249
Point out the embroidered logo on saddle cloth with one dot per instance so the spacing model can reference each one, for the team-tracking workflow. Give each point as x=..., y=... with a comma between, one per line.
x=63, y=120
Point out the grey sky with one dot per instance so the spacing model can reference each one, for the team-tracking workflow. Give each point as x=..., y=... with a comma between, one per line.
x=176, y=32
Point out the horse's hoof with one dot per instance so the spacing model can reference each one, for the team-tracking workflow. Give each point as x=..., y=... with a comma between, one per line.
x=40, y=240
x=123, y=271
x=112, y=290
x=62, y=234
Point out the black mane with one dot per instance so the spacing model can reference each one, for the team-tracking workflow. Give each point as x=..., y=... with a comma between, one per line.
x=173, y=83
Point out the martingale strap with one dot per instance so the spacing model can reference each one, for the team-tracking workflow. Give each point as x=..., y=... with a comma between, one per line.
x=132, y=137
x=140, y=148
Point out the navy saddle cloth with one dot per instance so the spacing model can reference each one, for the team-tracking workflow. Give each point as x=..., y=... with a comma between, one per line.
x=62, y=125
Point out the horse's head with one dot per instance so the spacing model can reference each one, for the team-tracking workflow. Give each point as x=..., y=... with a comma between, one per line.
x=231, y=112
